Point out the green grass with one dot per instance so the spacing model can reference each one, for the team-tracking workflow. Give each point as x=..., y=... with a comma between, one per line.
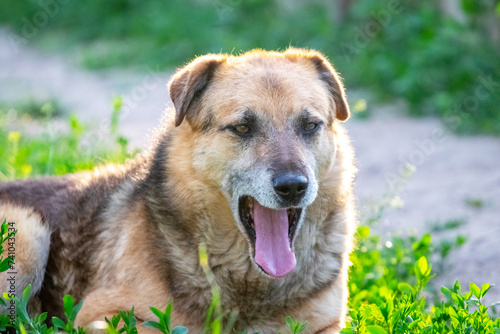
x=58, y=153
x=31, y=108
x=389, y=290
x=438, y=65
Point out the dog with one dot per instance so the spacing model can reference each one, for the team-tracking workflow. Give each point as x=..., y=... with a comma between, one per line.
x=252, y=161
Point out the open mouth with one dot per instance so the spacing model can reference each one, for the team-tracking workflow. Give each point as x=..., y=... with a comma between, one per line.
x=271, y=233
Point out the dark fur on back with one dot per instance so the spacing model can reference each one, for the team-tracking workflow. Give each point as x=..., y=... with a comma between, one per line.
x=74, y=214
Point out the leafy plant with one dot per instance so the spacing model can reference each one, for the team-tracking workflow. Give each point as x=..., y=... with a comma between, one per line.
x=164, y=324
x=24, y=323
x=70, y=311
x=295, y=327
x=58, y=153
x=129, y=322
x=387, y=288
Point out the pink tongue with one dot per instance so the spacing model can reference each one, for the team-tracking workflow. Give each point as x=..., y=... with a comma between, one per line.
x=272, y=247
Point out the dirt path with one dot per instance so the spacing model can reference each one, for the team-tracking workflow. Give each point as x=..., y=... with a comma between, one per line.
x=450, y=170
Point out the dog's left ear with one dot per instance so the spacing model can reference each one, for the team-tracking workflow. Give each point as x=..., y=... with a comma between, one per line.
x=326, y=73
x=189, y=83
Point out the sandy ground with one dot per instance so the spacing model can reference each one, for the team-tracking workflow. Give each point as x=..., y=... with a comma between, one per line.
x=447, y=170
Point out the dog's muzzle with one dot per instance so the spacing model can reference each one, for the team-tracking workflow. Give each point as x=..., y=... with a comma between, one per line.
x=290, y=187
x=270, y=209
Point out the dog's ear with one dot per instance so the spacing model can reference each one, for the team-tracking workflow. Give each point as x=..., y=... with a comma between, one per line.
x=326, y=73
x=189, y=83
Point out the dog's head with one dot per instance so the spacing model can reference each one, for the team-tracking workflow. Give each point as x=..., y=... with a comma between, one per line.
x=262, y=125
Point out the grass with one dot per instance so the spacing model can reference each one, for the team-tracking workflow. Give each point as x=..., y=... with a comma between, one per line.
x=388, y=282
x=56, y=152
x=31, y=108
x=476, y=203
x=438, y=65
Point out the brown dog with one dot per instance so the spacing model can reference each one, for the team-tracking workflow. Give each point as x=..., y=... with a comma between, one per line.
x=257, y=167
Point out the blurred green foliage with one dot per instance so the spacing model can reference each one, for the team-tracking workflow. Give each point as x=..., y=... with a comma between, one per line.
x=438, y=65
x=396, y=48
x=58, y=152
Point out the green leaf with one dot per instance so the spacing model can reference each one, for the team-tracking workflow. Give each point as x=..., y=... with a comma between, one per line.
x=363, y=231
x=405, y=287
x=5, y=264
x=42, y=317
x=5, y=227
x=421, y=303
x=485, y=288
x=75, y=310
x=347, y=331
x=180, y=330
x=27, y=293
x=422, y=266
x=68, y=303
x=414, y=324
x=168, y=311
x=426, y=239
x=165, y=319
x=157, y=312
x=376, y=330
x=115, y=321
x=23, y=330
x=475, y=290
x=151, y=324
x=58, y=322
x=447, y=292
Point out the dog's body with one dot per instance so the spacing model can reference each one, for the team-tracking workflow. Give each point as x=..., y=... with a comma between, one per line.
x=260, y=173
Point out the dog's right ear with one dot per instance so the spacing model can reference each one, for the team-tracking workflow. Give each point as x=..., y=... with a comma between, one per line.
x=326, y=73
x=189, y=83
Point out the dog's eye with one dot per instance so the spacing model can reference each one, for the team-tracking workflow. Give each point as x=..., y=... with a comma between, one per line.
x=311, y=126
x=243, y=129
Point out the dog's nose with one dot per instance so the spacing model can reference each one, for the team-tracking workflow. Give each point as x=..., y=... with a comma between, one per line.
x=290, y=187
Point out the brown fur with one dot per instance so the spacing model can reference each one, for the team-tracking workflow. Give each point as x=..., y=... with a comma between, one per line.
x=124, y=236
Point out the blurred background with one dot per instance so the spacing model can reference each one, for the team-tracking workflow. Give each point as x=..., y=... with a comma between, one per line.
x=422, y=78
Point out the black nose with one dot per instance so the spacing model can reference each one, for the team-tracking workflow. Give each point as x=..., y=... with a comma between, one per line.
x=290, y=187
